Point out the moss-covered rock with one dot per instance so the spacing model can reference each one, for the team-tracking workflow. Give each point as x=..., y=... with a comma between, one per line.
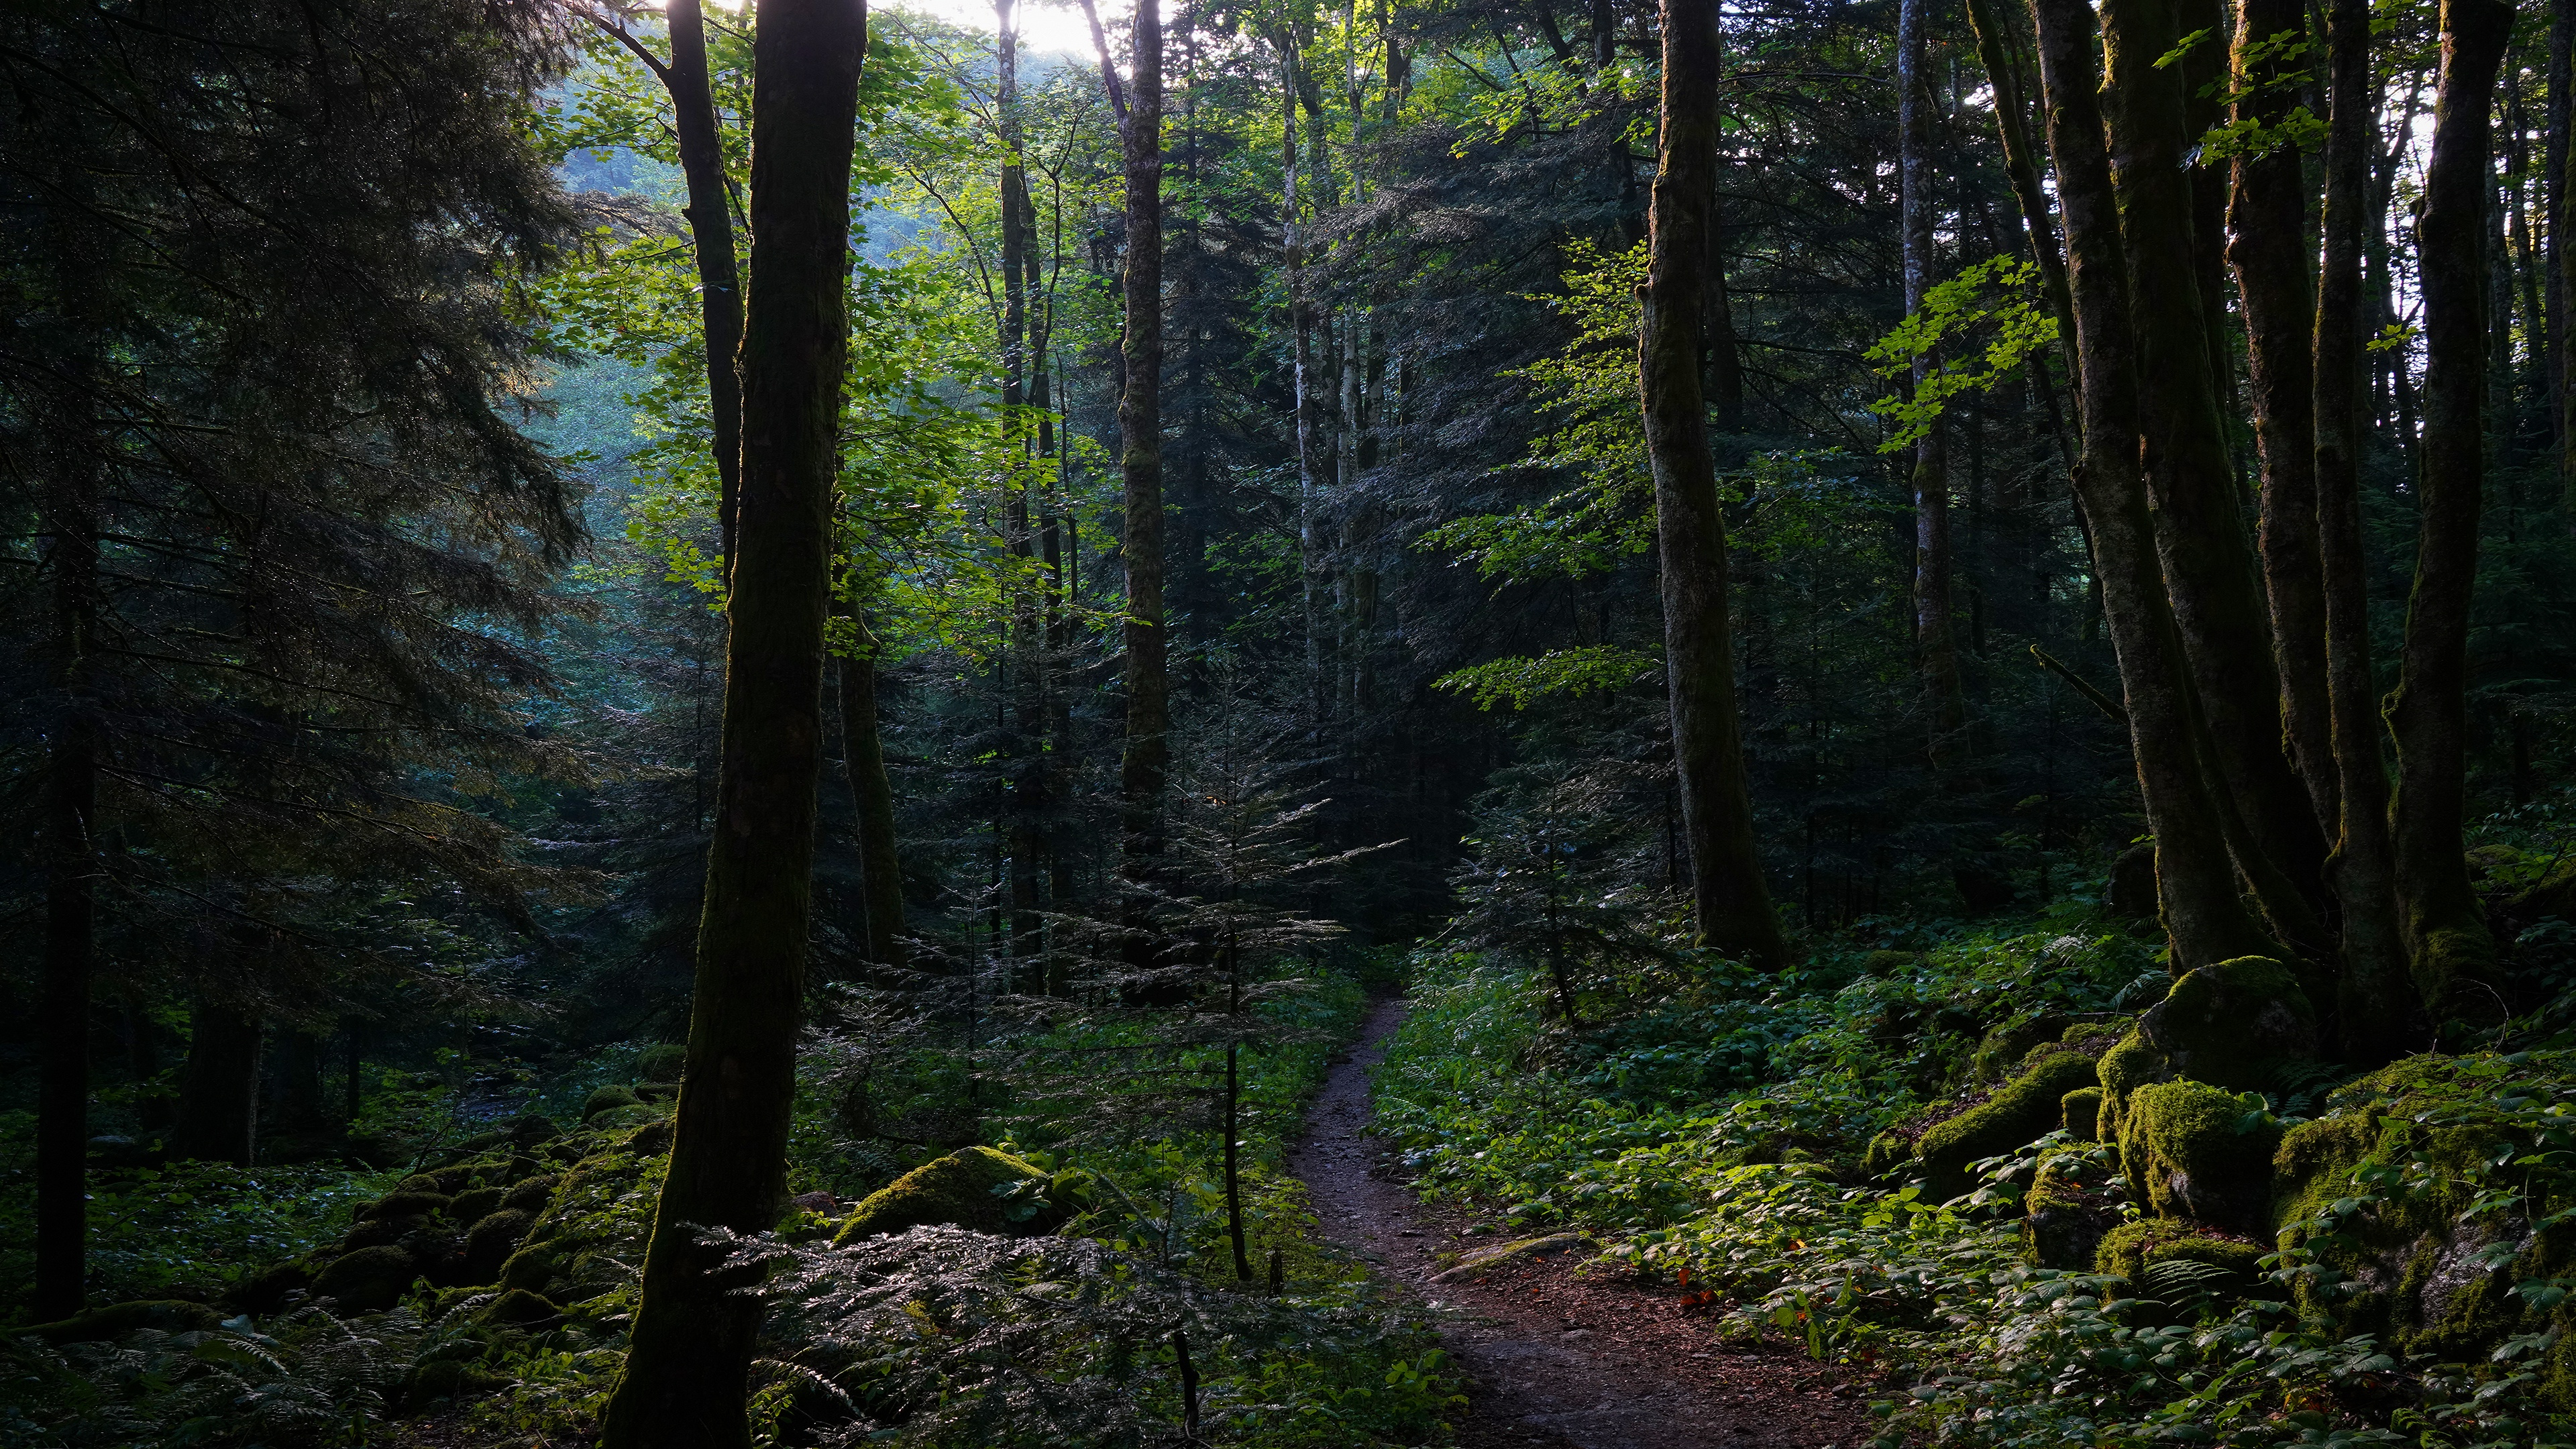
x=632, y=1115
x=2234, y=1024
x=491, y=1241
x=270, y=1290
x=2000, y=1052
x=2133, y=883
x=2019, y=1112
x=407, y=1204
x=2080, y=1113
x=116, y=1320
x=606, y=1099
x=2070, y=1206
x=1887, y=1151
x=960, y=1188
x=2131, y=1063
x=530, y=1195
x=661, y=1062
x=2227, y=1266
x=377, y=1232
x=368, y=1280
x=476, y=1203
x=448, y=1379
x=2198, y=1151
x=521, y=1307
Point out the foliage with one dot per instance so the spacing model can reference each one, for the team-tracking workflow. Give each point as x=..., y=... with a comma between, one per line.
x=1993, y=303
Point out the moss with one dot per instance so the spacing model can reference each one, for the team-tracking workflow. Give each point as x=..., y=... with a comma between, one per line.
x=606, y=1099
x=2080, y=1113
x=476, y=1203
x=2001, y=1050
x=521, y=1307
x=115, y=1321
x=531, y=1269
x=267, y=1292
x=369, y=1279
x=958, y=1188
x=406, y=1204
x=631, y=1115
x=2132, y=1251
x=448, y=1379
x=531, y=1195
x=491, y=1241
x=1887, y=1152
x=2200, y=1152
x=2020, y=1111
x=2131, y=1063
x=2234, y=1024
x=2068, y=1209
x=661, y=1062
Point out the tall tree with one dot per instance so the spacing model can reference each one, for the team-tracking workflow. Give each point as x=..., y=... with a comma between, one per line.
x=2445, y=930
x=2195, y=887
x=2268, y=245
x=686, y=1377
x=2208, y=562
x=1730, y=903
x=1140, y=443
x=2375, y=999
x=1934, y=639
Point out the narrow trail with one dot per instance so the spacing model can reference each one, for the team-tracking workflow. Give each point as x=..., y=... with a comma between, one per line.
x=1555, y=1357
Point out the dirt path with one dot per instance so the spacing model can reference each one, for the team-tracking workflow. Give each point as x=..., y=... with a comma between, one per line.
x=1555, y=1357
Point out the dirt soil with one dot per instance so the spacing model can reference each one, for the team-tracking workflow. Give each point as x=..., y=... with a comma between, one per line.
x=1555, y=1355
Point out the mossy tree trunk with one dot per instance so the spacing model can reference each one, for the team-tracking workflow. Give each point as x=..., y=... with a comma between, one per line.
x=2208, y=562
x=2195, y=887
x=2445, y=931
x=686, y=1376
x=2374, y=1000
x=2269, y=248
x=1730, y=903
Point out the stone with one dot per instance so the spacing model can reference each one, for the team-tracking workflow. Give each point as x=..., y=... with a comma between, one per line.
x=2200, y=1152
x=113, y=1322
x=959, y=1188
x=368, y=1280
x=2234, y=1024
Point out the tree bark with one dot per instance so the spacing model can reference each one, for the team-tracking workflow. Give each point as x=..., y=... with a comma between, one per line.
x=2375, y=1001
x=2445, y=932
x=219, y=1091
x=2268, y=245
x=1936, y=650
x=871, y=798
x=1146, y=761
x=2208, y=563
x=1730, y=903
x=1996, y=49
x=2203, y=914
x=686, y=1377
x=71, y=906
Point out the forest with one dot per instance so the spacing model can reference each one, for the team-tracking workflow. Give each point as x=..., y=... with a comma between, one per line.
x=1603, y=724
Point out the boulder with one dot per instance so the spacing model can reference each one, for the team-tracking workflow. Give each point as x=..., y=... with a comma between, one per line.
x=447, y=1378
x=2080, y=1113
x=2000, y=1053
x=2234, y=1024
x=521, y=1308
x=1495, y=1257
x=961, y=1188
x=270, y=1291
x=491, y=1241
x=403, y=1202
x=606, y=1099
x=661, y=1062
x=476, y=1203
x=2176, y=1262
x=2014, y=1115
x=2200, y=1152
x=531, y=1194
x=2070, y=1206
x=116, y=1320
x=368, y=1280
x=2133, y=883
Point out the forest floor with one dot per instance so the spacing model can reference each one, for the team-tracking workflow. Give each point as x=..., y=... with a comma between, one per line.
x=1557, y=1354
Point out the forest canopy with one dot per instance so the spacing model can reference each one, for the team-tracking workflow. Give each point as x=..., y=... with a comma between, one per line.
x=720, y=721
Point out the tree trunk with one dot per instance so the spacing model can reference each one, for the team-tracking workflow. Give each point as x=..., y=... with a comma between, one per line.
x=2268, y=245
x=2208, y=563
x=2203, y=914
x=1141, y=769
x=1996, y=48
x=2374, y=1000
x=871, y=798
x=710, y=214
x=1936, y=650
x=2445, y=932
x=686, y=1377
x=1731, y=905
x=219, y=1090
x=71, y=906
